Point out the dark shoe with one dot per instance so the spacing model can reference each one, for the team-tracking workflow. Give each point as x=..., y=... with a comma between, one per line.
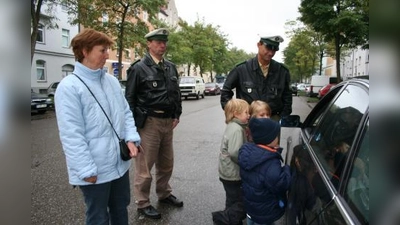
x=219, y=218
x=172, y=200
x=149, y=212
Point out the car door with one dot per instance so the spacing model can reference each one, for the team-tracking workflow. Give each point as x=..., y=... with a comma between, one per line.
x=331, y=135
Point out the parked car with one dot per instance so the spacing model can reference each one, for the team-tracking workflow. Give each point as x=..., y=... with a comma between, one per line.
x=40, y=103
x=332, y=153
x=293, y=87
x=324, y=90
x=303, y=87
x=51, y=90
x=191, y=86
x=212, y=89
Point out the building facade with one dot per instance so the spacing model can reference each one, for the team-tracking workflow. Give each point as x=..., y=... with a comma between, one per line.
x=53, y=59
x=356, y=63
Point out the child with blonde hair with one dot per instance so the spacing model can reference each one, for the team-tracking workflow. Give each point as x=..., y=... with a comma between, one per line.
x=260, y=109
x=236, y=117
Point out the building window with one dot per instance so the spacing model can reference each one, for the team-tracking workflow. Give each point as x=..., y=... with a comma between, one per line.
x=65, y=37
x=66, y=70
x=105, y=18
x=145, y=16
x=40, y=34
x=64, y=6
x=127, y=54
x=40, y=70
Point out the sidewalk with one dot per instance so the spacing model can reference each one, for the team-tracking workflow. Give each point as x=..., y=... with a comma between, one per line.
x=310, y=104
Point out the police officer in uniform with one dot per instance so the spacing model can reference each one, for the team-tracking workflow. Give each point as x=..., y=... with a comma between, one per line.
x=261, y=78
x=153, y=94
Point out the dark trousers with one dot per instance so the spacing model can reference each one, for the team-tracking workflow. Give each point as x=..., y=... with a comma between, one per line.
x=107, y=202
x=234, y=212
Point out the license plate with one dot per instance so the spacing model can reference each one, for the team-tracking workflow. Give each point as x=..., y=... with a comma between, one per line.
x=184, y=94
x=41, y=106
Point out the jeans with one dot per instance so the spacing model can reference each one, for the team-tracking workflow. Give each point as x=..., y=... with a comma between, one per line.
x=251, y=222
x=107, y=202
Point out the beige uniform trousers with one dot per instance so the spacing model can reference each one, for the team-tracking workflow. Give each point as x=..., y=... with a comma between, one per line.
x=157, y=142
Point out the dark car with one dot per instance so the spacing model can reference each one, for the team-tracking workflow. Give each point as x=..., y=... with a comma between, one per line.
x=293, y=87
x=331, y=157
x=324, y=90
x=40, y=103
x=212, y=89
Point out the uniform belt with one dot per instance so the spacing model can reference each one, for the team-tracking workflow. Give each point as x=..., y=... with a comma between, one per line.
x=159, y=113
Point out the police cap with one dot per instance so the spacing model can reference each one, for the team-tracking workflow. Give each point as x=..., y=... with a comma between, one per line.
x=160, y=34
x=272, y=42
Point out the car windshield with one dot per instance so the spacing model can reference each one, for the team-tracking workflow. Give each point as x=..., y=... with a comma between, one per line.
x=187, y=80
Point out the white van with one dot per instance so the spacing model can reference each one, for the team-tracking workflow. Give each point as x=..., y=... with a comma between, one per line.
x=317, y=82
x=192, y=87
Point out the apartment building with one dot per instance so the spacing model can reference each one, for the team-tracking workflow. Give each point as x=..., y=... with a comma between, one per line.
x=356, y=63
x=53, y=59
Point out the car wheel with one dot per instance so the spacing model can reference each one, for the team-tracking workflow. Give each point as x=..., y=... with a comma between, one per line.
x=197, y=96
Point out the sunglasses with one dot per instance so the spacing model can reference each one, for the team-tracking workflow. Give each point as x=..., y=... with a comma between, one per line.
x=271, y=47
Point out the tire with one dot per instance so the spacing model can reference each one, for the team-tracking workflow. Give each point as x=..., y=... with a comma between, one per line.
x=197, y=96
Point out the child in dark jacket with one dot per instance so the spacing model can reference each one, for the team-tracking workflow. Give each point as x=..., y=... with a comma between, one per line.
x=264, y=180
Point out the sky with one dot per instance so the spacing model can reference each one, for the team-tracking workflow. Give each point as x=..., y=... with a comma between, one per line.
x=243, y=21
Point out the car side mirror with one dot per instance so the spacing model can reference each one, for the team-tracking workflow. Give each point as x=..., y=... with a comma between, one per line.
x=290, y=121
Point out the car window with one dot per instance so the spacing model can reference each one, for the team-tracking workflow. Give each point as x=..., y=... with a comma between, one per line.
x=334, y=135
x=357, y=188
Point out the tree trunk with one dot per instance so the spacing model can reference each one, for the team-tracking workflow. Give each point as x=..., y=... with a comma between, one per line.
x=337, y=47
x=35, y=18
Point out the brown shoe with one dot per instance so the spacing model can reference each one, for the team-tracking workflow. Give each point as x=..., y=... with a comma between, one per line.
x=172, y=200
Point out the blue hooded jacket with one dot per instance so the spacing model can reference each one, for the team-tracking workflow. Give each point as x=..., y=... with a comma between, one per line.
x=264, y=181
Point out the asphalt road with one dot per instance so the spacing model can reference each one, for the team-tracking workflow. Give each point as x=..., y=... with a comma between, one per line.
x=195, y=177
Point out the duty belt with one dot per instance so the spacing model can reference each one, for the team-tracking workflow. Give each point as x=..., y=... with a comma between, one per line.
x=159, y=113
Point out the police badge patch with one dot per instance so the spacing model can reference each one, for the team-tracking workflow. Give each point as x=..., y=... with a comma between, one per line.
x=249, y=90
x=154, y=83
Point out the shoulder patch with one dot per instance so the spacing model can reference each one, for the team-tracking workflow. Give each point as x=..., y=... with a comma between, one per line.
x=130, y=67
x=284, y=66
x=240, y=63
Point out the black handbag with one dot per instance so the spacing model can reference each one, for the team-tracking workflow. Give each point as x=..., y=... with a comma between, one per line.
x=123, y=147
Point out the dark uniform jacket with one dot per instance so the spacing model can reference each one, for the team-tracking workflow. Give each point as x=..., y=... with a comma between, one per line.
x=251, y=85
x=151, y=88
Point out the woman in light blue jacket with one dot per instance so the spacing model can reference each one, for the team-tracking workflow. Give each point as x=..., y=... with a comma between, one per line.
x=89, y=142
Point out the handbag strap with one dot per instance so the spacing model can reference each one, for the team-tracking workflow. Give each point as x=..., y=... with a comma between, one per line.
x=99, y=105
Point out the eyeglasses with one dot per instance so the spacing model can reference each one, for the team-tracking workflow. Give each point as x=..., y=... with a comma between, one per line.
x=271, y=47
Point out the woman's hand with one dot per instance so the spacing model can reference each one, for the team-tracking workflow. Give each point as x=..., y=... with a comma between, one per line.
x=133, y=149
x=92, y=179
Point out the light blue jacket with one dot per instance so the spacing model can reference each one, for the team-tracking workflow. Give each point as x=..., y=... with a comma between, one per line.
x=89, y=143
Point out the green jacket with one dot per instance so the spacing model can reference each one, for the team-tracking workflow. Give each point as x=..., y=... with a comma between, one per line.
x=234, y=137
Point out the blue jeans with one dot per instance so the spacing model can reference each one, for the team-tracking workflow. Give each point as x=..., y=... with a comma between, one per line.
x=107, y=202
x=251, y=222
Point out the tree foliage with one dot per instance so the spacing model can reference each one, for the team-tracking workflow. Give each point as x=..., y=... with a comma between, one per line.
x=343, y=22
x=121, y=19
x=301, y=55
